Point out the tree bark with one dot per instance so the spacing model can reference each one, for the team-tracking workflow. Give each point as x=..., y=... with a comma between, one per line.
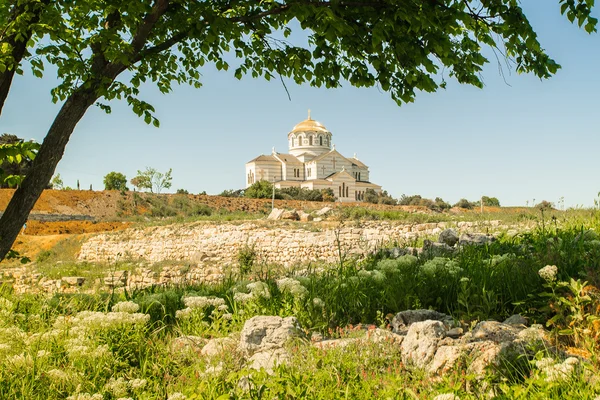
x=43, y=166
x=19, y=47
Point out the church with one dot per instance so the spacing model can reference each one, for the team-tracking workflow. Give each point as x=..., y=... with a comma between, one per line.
x=312, y=163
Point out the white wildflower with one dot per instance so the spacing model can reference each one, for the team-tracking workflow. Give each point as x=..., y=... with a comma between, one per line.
x=86, y=396
x=42, y=353
x=223, y=307
x=378, y=276
x=242, y=297
x=125, y=398
x=548, y=273
x=292, y=286
x=177, y=396
x=126, y=306
x=446, y=396
x=364, y=274
x=5, y=304
x=183, y=314
x=57, y=375
x=259, y=289
x=227, y=316
x=137, y=384
x=118, y=387
x=21, y=361
x=203, y=301
x=318, y=303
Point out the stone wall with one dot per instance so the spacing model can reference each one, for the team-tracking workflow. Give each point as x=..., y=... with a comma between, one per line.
x=287, y=245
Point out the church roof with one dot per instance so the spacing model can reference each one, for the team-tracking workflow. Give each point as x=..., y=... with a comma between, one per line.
x=287, y=158
x=309, y=125
x=342, y=172
x=322, y=156
x=356, y=161
x=262, y=157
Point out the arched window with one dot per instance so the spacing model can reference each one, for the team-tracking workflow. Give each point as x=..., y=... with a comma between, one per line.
x=293, y=142
x=343, y=189
x=347, y=195
x=310, y=142
x=320, y=140
x=340, y=190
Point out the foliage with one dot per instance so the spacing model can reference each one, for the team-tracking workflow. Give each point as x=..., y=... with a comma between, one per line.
x=232, y=193
x=152, y=180
x=56, y=183
x=490, y=201
x=182, y=191
x=115, y=181
x=261, y=190
x=296, y=193
x=544, y=205
x=16, y=156
x=379, y=198
x=464, y=203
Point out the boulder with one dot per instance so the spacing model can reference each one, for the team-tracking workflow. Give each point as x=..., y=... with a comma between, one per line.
x=494, y=331
x=449, y=237
x=402, y=320
x=516, y=319
x=475, y=239
x=275, y=214
x=218, y=346
x=268, y=359
x=434, y=249
x=305, y=217
x=323, y=211
x=421, y=342
x=290, y=215
x=263, y=333
x=73, y=280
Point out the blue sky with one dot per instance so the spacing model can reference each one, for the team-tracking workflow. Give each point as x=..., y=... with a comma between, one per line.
x=518, y=140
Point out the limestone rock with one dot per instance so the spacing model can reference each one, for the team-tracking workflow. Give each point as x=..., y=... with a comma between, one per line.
x=268, y=359
x=73, y=280
x=449, y=237
x=402, y=320
x=494, y=331
x=275, y=214
x=263, y=333
x=433, y=249
x=516, y=319
x=421, y=342
x=305, y=217
x=323, y=211
x=475, y=239
x=290, y=215
x=218, y=346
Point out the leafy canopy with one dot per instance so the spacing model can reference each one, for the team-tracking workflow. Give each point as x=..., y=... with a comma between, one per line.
x=15, y=155
x=402, y=46
x=115, y=181
x=153, y=180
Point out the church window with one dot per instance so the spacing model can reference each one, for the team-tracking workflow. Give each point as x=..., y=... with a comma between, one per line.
x=321, y=140
x=310, y=142
x=293, y=142
x=343, y=189
x=347, y=195
x=340, y=191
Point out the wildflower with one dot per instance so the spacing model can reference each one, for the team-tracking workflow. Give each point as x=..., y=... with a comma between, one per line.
x=118, y=387
x=292, y=286
x=57, y=375
x=177, y=396
x=259, y=289
x=183, y=314
x=242, y=297
x=364, y=274
x=223, y=307
x=86, y=396
x=5, y=304
x=136, y=384
x=203, y=302
x=318, y=303
x=378, y=277
x=21, y=360
x=42, y=353
x=548, y=273
x=446, y=396
x=126, y=306
x=227, y=316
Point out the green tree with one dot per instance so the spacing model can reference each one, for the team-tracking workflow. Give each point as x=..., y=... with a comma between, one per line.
x=153, y=180
x=17, y=156
x=464, y=203
x=261, y=190
x=490, y=201
x=115, y=181
x=56, y=183
x=401, y=46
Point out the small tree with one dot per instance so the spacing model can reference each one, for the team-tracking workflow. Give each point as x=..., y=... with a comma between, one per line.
x=371, y=196
x=490, y=201
x=464, y=203
x=261, y=190
x=152, y=180
x=115, y=181
x=56, y=183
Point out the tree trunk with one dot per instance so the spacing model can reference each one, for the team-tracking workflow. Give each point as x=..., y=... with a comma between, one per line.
x=19, y=46
x=43, y=166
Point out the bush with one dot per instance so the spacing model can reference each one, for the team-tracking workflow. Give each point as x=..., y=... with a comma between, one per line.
x=464, y=203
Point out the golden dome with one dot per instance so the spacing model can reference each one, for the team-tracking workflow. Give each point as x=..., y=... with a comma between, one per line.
x=309, y=125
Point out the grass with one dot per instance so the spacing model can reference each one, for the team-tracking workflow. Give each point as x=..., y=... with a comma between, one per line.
x=75, y=346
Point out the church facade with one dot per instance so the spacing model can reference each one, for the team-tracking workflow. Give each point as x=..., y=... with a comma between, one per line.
x=312, y=163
